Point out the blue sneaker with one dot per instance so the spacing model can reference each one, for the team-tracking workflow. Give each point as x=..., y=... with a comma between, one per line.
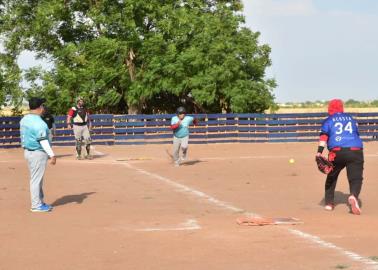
x=51, y=207
x=42, y=208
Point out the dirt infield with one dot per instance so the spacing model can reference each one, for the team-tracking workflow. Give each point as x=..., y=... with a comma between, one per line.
x=141, y=212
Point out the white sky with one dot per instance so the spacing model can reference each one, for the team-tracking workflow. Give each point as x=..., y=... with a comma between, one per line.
x=321, y=49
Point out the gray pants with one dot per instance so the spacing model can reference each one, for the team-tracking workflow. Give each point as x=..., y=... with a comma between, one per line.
x=37, y=161
x=177, y=144
x=82, y=132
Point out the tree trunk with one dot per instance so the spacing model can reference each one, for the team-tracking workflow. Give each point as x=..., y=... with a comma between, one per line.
x=133, y=109
x=130, y=64
x=223, y=106
x=129, y=61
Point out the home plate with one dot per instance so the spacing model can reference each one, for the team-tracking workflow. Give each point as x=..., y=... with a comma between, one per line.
x=190, y=224
x=261, y=221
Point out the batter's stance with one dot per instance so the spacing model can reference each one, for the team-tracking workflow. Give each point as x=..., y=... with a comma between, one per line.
x=37, y=150
x=78, y=116
x=180, y=126
x=340, y=133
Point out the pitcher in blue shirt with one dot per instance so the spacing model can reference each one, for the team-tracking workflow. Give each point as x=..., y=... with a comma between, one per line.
x=180, y=126
x=340, y=133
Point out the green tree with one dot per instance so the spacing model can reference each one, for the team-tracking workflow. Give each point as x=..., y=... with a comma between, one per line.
x=374, y=103
x=141, y=56
x=10, y=76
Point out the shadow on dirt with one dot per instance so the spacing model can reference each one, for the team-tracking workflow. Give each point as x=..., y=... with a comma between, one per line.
x=190, y=162
x=340, y=198
x=77, y=198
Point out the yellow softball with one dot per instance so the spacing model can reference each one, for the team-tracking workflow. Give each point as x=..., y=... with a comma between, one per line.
x=291, y=161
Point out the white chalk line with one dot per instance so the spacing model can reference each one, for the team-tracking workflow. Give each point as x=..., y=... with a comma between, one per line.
x=245, y=157
x=267, y=157
x=112, y=161
x=186, y=189
x=352, y=255
x=82, y=162
x=371, y=264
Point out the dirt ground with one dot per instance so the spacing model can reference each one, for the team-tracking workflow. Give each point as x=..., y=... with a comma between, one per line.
x=130, y=208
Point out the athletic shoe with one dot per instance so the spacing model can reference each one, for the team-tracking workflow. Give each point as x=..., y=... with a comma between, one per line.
x=42, y=208
x=177, y=163
x=90, y=157
x=78, y=157
x=329, y=207
x=45, y=204
x=354, y=205
x=184, y=156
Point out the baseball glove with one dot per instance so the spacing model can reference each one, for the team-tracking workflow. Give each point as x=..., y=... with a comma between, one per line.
x=324, y=165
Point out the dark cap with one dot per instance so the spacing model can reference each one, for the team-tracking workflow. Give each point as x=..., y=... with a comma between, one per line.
x=35, y=102
x=181, y=110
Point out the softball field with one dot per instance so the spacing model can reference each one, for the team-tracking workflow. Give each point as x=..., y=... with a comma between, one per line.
x=130, y=208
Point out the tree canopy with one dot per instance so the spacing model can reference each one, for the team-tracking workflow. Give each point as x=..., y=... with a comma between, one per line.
x=136, y=56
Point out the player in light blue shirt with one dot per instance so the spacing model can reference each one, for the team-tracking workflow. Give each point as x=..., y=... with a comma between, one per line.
x=180, y=126
x=35, y=141
x=33, y=130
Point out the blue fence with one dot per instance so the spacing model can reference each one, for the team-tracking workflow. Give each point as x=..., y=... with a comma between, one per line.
x=212, y=128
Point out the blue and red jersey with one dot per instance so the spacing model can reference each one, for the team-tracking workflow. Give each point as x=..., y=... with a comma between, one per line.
x=341, y=130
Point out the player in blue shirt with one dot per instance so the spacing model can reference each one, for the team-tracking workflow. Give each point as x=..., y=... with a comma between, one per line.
x=37, y=150
x=180, y=126
x=340, y=134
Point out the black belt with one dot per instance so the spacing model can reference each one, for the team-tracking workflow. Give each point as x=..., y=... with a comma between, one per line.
x=30, y=149
x=79, y=124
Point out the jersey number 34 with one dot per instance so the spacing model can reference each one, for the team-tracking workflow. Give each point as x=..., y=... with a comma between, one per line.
x=340, y=127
